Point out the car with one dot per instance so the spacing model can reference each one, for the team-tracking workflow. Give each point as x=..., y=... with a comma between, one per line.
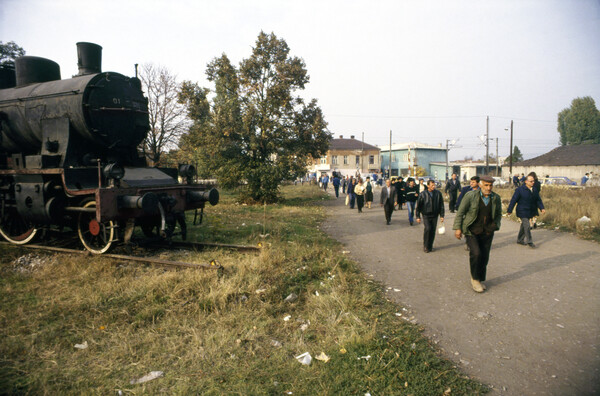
x=557, y=181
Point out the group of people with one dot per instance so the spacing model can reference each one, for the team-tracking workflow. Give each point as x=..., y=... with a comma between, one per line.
x=358, y=193
x=478, y=212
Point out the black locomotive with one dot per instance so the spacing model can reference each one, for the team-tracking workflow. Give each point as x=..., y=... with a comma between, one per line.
x=69, y=157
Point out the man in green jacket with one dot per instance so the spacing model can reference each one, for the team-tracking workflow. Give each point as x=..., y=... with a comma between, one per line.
x=478, y=217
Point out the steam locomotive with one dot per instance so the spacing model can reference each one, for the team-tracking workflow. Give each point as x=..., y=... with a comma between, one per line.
x=69, y=157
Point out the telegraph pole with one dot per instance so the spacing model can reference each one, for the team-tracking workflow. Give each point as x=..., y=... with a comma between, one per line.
x=390, y=163
x=511, y=147
x=487, y=145
x=497, y=158
x=362, y=153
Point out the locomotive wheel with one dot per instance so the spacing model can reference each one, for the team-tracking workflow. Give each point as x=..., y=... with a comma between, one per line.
x=15, y=229
x=96, y=237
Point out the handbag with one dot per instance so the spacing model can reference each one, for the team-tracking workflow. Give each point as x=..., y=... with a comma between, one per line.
x=347, y=199
x=442, y=229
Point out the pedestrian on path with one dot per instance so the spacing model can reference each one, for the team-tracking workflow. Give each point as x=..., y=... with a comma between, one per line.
x=430, y=204
x=359, y=191
x=336, y=185
x=388, y=200
x=351, y=185
x=401, y=191
x=422, y=186
x=325, y=181
x=528, y=201
x=411, y=194
x=473, y=185
x=452, y=188
x=344, y=184
x=478, y=217
x=368, y=193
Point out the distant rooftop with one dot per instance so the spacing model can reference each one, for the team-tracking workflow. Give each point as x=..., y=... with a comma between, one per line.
x=583, y=154
x=412, y=145
x=350, y=144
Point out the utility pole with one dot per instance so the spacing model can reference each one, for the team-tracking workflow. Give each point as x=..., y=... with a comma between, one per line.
x=497, y=158
x=362, y=153
x=390, y=163
x=487, y=145
x=446, y=159
x=511, y=147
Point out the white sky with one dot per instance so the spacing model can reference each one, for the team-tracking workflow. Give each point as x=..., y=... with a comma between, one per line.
x=427, y=70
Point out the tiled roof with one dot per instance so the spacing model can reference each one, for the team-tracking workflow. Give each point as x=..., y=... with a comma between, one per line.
x=350, y=144
x=583, y=154
x=412, y=145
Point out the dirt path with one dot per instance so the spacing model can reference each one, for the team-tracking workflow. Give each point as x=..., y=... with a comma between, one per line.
x=535, y=331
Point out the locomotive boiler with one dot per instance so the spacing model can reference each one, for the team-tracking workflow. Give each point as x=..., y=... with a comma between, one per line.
x=69, y=157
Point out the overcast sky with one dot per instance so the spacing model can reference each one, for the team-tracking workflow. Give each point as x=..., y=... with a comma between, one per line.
x=427, y=70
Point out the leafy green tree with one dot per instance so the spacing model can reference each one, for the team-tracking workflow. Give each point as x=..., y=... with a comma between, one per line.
x=8, y=53
x=255, y=128
x=517, y=156
x=579, y=123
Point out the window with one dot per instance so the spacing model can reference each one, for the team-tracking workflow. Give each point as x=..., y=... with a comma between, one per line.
x=358, y=160
x=371, y=159
x=405, y=157
x=334, y=160
x=323, y=160
x=345, y=160
x=393, y=157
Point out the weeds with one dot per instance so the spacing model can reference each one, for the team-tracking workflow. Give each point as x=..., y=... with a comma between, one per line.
x=215, y=335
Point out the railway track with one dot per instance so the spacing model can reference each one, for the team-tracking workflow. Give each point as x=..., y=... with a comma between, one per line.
x=180, y=245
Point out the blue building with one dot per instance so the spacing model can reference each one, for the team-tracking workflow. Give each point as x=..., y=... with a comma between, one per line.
x=406, y=157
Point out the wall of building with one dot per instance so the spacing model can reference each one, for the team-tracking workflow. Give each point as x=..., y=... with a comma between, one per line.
x=424, y=158
x=574, y=173
x=350, y=168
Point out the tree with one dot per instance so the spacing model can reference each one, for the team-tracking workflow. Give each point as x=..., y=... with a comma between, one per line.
x=517, y=156
x=255, y=128
x=579, y=123
x=167, y=116
x=8, y=53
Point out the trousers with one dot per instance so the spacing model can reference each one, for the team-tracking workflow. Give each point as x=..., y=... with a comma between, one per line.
x=360, y=201
x=388, y=208
x=479, y=254
x=429, y=225
x=452, y=200
x=410, y=206
x=524, y=231
x=337, y=191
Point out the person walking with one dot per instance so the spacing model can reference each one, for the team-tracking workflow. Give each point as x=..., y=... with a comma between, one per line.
x=528, y=200
x=336, y=185
x=411, y=194
x=452, y=188
x=387, y=199
x=344, y=184
x=478, y=217
x=351, y=185
x=430, y=204
x=422, y=186
x=359, y=191
x=368, y=193
x=325, y=181
x=473, y=185
x=401, y=192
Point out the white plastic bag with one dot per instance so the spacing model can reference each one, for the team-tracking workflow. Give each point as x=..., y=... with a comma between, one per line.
x=442, y=229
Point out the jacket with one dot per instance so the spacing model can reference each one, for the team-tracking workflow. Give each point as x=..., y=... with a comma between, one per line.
x=350, y=189
x=336, y=181
x=469, y=208
x=527, y=202
x=384, y=195
x=452, y=185
x=411, y=193
x=430, y=206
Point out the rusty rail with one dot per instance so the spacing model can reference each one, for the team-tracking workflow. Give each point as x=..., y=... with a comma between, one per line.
x=148, y=260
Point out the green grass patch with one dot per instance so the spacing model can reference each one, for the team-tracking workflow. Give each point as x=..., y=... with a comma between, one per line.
x=216, y=335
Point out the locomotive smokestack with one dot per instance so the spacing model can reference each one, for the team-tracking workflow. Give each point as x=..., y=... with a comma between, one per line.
x=89, y=58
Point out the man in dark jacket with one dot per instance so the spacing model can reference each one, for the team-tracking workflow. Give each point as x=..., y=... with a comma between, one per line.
x=411, y=193
x=336, y=185
x=452, y=188
x=478, y=217
x=528, y=201
x=473, y=185
x=401, y=191
x=350, y=190
x=430, y=204
x=388, y=200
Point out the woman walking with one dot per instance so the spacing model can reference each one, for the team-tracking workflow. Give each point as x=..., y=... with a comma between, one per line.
x=359, y=191
x=368, y=193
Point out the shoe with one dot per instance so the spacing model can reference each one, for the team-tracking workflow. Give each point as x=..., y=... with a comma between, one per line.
x=477, y=286
x=388, y=222
x=531, y=245
x=483, y=286
x=411, y=223
x=521, y=243
x=426, y=250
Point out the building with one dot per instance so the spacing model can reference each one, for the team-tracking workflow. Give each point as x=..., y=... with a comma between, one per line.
x=405, y=157
x=348, y=157
x=466, y=169
x=568, y=161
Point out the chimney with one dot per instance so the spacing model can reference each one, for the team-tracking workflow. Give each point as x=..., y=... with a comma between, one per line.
x=351, y=136
x=89, y=58
x=341, y=136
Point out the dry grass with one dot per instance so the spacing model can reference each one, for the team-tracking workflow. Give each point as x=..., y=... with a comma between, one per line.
x=564, y=206
x=214, y=335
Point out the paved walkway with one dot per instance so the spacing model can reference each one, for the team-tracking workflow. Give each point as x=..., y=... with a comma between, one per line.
x=535, y=331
